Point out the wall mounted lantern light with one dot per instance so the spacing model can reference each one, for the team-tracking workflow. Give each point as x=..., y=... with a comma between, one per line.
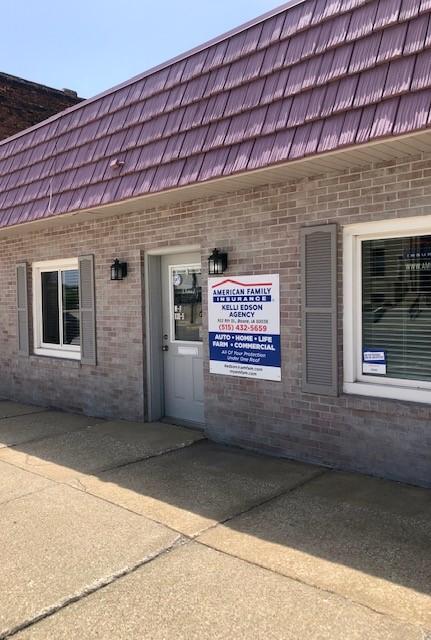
x=118, y=270
x=217, y=263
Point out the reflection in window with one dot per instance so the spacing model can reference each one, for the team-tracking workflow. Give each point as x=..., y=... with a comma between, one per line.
x=70, y=291
x=187, y=307
x=396, y=304
x=50, y=313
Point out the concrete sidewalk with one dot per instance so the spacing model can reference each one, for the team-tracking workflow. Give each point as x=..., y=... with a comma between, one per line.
x=131, y=531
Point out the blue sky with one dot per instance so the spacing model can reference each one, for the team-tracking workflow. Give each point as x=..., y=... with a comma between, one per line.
x=91, y=45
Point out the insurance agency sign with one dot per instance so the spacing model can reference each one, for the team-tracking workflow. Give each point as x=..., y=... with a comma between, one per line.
x=244, y=326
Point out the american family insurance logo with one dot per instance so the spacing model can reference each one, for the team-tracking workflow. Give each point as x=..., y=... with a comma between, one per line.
x=236, y=291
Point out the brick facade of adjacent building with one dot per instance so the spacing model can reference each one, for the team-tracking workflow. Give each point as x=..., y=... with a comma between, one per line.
x=260, y=230
x=24, y=104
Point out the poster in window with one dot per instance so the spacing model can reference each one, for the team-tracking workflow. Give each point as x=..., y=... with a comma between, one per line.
x=374, y=361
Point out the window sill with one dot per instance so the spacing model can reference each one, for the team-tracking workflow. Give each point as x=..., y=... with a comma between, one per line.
x=58, y=354
x=391, y=392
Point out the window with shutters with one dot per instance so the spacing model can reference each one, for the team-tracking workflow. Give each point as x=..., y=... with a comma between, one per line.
x=56, y=309
x=388, y=309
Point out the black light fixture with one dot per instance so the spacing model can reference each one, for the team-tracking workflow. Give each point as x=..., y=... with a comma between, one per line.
x=118, y=270
x=217, y=263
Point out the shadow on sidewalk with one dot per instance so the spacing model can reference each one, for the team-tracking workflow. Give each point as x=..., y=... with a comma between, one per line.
x=362, y=537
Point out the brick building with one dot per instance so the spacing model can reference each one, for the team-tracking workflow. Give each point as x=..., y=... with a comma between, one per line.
x=24, y=104
x=298, y=145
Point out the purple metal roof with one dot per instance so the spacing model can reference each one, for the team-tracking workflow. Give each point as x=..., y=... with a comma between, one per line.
x=306, y=79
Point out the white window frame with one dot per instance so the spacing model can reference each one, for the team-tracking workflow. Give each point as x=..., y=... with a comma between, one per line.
x=72, y=352
x=354, y=380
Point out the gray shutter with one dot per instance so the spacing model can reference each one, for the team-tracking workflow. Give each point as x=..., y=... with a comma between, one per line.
x=22, y=310
x=87, y=310
x=319, y=309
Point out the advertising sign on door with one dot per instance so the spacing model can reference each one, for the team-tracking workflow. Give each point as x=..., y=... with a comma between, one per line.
x=244, y=326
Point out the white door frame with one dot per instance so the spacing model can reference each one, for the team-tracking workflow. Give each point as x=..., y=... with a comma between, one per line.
x=153, y=327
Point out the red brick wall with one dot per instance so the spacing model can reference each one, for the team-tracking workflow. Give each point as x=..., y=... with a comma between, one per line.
x=23, y=104
x=260, y=230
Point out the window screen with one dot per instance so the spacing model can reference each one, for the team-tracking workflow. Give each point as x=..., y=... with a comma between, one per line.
x=396, y=304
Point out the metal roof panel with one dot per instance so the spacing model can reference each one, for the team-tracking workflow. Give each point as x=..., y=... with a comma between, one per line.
x=365, y=52
x=416, y=34
x=261, y=152
x=366, y=124
x=362, y=22
x=191, y=169
x=349, y=127
x=409, y=9
x=399, y=76
x=422, y=71
x=413, y=111
x=387, y=13
x=384, y=118
x=370, y=86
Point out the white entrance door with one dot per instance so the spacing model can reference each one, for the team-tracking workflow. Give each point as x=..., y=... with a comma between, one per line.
x=182, y=337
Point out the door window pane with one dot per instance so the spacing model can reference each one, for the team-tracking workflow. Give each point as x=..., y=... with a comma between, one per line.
x=187, y=308
x=70, y=293
x=50, y=313
x=396, y=304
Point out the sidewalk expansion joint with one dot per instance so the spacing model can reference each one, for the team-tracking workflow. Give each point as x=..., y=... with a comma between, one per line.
x=27, y=413
x=96, y=586
x=425, y=632
x=158, y=454
x=35, y=469
x=83, y=489
x=49, y=436
x=265, y=501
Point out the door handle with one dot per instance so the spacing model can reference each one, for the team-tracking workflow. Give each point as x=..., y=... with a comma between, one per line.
x=165, y=347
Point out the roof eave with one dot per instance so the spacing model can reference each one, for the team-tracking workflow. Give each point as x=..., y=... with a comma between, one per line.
x=337, y=161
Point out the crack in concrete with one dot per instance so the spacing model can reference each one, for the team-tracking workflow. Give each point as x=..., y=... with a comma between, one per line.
x=90, y=589
x=23, y=495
